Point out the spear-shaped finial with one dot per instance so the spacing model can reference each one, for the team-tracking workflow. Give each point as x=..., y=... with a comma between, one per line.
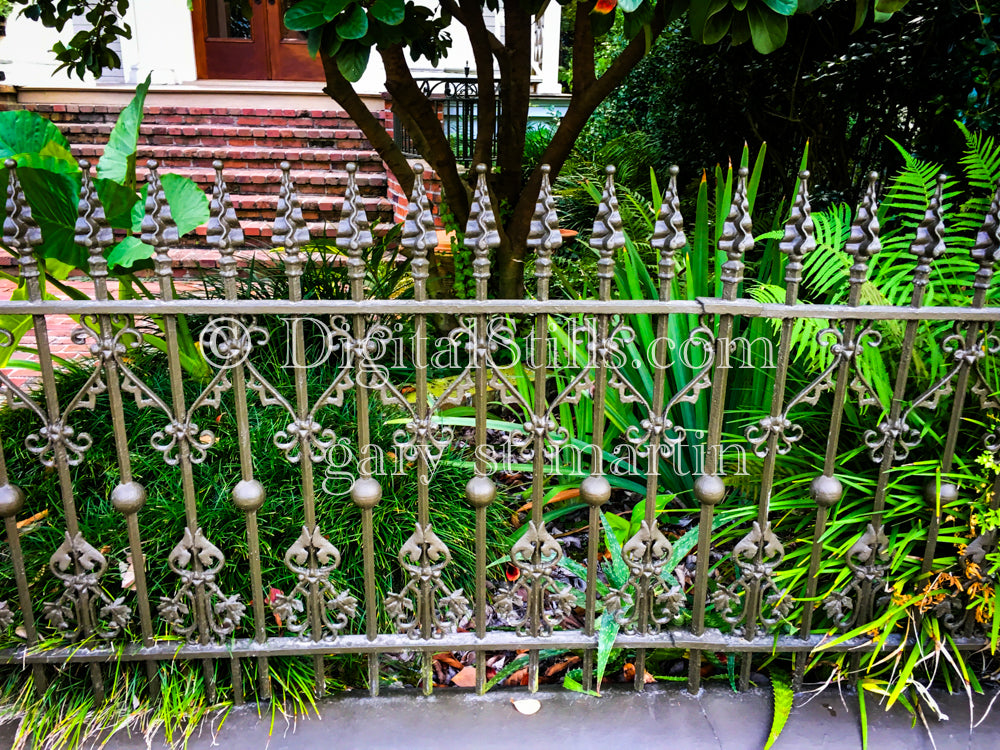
x=20, y=231
x=928, y=243
x=544, y=236
x=224, y=231
x=800, y=231
x=158, y=228
x=92, y=230
x=668, y=234
x=354, y=233
x=986, y=251
x=737, y=237
x=607, y=236
x=481, y=234
x=419, y=235
x=864, y=243
x=289, y=231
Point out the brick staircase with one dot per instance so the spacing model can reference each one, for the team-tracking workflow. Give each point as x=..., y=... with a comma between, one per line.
x=251, y=143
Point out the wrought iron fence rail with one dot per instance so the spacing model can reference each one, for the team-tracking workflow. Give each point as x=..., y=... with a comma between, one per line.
x=494, y=641
x=425, y=614
x=470, y=308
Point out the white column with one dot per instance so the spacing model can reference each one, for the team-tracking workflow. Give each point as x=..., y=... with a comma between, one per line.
x=163, y=42
x=550, y=50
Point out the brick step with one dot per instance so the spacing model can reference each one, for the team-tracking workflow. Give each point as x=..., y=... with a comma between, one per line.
x=100, y=113
x=345, y=139
x=245, y=157
x=246, y=181
x=261, y=207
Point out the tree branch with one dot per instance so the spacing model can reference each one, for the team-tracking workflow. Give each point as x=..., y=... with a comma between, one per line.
x=418, y=112
x=340, y=90
x=487, y=103
x=583, y=48
x=515, y=94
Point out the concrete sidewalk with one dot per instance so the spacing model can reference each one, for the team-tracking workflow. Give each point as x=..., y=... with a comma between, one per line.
x=663, y=717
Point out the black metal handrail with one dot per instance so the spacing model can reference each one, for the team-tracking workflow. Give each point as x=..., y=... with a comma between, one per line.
x=456, y=103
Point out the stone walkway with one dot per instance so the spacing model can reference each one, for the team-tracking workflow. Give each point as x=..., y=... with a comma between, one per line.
x=663, y=717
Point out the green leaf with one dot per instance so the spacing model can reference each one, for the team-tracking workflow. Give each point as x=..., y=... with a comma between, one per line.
x=117, y=200
x=699, y=14
x=601, y=23
x=188, y=202
x=309, y=14
x=314, y=41
x=128, y=251
x=352, y=59
x=767, y=29
x=890, y=6
x=53, y=199
x=23, y=132
x=607, y=632
x=617, y=572
x=628, y=6
x=860, y=13
x=117, y=163
x=783, y=7
x=354, y=24
x=717, y=26
x=390, y=12
x=781, y=688
x=18, y=325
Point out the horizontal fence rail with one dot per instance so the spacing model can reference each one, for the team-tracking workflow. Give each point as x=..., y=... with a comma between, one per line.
x=543, y=598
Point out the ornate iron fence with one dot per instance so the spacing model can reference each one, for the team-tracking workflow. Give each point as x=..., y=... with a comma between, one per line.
x=200, y=621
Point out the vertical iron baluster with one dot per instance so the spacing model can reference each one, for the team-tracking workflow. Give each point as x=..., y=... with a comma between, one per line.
x=668, y=239
x=982, y=253
x=19, y=231
x=595, y=490
x=481, y=236
x=93, y=232
x=927, y=246
x=544, y=211
x=826, y=490
x=21, y=234
x=709, y=489
x=11, y=502
x=159, y=231
x=225, y=234
x=420, y=238
x=291, y=233
x=767, y=548
x=353, y=236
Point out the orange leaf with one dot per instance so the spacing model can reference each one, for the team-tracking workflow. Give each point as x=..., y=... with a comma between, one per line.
x=466, y=677
x=605, y=6
x=559, y=496
x=557, y=668
x=448, y=659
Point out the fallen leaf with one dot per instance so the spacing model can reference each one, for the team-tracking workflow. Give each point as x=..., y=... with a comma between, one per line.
x=629, y=671
x=648, y=678
x=520, y=677
x=466, y=677
x=30, y=520
x=448, y=659
x=20, y=632
x=127, y=571
x=557, y=668
x=272, y=597
x=526, y=706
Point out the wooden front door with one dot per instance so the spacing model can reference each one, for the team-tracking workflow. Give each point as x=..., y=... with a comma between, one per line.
x=231, y=42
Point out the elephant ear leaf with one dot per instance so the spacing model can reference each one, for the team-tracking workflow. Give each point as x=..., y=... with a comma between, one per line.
x=188, y=204
x=118, y=161
x=23, y=133
x=767, y=29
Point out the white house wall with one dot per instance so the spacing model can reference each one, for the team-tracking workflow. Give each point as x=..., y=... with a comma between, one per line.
x=163, y=44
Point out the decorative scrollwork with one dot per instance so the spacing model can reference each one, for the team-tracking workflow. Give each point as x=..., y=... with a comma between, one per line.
x=425, y=608
x=867, y=559
x=83, y=609
x=313, y=559
x=757, y=555
x=845, y=354
x=197, y=561
x=536, y=555
x=646, y=602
